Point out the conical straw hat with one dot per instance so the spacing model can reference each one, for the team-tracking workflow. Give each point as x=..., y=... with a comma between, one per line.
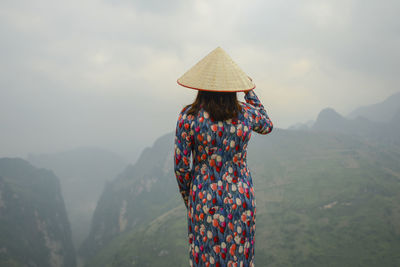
x=216, y=72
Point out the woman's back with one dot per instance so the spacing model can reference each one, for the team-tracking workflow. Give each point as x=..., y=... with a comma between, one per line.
x=218, y=189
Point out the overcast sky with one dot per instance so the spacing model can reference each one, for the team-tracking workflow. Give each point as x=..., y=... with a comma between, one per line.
x=103, y=73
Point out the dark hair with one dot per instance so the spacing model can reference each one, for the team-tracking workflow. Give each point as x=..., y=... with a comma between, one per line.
x=220, y=105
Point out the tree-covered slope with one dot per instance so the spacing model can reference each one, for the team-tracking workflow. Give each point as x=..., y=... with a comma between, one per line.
x=34, y=228
x=323, y=199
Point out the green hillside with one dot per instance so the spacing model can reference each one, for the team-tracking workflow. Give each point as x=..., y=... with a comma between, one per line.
x=322, y=200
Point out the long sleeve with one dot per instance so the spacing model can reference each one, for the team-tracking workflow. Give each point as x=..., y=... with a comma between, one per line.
x=261, y=122
x=182, y=153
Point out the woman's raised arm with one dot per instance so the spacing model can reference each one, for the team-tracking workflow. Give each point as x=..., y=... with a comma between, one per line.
x=261, y=122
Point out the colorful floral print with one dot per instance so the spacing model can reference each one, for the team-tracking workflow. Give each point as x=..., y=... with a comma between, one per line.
x=216, y=185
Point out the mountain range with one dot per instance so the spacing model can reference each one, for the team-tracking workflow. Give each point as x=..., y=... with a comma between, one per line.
x=376, y=123
x=328, y=194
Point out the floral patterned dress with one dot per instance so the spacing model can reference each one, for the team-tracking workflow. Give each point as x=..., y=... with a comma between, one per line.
x=217, y=189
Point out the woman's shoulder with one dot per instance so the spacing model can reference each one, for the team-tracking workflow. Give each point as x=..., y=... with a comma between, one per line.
x=183, y=114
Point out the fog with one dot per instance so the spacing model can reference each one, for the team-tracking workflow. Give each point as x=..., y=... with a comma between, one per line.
x=103, y=73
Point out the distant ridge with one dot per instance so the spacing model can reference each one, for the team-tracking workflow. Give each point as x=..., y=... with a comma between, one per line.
x=379, y=112
x=382, y=112
x=329, y=120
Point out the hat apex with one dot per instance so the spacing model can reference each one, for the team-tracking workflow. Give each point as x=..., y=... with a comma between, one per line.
x=216, y=72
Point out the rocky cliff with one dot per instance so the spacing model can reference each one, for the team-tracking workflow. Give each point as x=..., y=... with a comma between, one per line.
x=34, y=228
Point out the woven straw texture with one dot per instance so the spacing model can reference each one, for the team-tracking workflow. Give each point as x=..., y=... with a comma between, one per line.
x=216, y=72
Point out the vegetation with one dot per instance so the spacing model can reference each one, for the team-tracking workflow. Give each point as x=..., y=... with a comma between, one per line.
x=322, y=200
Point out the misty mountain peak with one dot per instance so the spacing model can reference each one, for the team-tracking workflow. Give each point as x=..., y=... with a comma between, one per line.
x=329, y=115
x=328, y=119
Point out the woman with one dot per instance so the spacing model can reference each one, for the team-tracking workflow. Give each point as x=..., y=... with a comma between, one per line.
x=217, y=189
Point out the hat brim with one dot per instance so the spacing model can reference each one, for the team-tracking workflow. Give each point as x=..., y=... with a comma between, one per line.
x=227, y=91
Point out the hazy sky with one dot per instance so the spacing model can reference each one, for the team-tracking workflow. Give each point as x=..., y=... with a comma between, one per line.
x=103, y=73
